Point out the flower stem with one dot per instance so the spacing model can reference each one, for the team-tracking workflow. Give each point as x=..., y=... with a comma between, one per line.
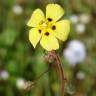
x=59, y=68
x=52, y=56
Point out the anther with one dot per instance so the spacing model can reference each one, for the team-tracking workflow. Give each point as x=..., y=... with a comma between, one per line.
x=44, y=24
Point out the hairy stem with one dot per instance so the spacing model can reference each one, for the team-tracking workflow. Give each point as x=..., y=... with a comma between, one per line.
x=59, y=68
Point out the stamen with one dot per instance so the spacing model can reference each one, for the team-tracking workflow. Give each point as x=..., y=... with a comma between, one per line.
x=44, y=24
x=47, y=33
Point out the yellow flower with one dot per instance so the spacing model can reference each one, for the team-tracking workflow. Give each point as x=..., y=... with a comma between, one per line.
x=47, y=29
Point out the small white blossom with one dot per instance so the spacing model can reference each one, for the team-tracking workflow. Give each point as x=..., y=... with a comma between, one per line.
x=80, y=28
x=80, y=75
x=4, y=75
x=75, y=52
x=17, y=9
x=74, y=19
x=20, y=83
x=85, y=18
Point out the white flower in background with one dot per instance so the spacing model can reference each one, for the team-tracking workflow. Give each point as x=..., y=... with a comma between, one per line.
x=74, y=19
x=80, y=22
x=17, y=9
x=80, y=28
x=75, y=52
x=80, y=75
x=85, y=18
x=4, y=75
x=20, y=83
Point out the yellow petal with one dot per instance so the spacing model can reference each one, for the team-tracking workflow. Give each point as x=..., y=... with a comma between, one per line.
x=34, y=36
x=62, y=29
x=49, y=42
x=54, y=11
x=36, y=18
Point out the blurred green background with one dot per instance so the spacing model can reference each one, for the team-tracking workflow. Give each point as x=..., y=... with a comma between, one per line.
x=20, y=62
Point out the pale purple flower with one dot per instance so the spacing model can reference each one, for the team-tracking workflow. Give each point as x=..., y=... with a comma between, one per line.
x=4, y=75
x=75, y=52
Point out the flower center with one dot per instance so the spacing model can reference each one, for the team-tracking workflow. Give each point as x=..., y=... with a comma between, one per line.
x=45, y=26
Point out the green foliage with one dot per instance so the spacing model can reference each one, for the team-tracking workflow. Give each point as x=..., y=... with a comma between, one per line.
x=21, y=60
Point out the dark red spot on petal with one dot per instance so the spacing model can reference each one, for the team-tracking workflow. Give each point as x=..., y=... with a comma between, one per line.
x=39, y=31
x=47, y=33
x=49, y=19
x=53, y=27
